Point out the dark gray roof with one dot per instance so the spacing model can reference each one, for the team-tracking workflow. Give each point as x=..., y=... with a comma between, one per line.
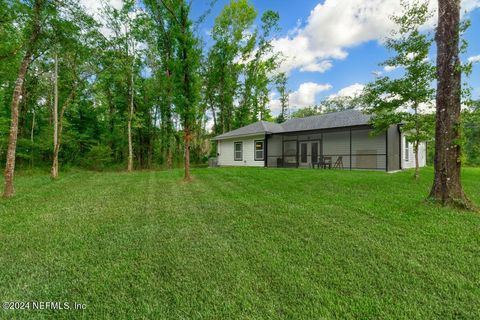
x=347, y=118
x=260, y=127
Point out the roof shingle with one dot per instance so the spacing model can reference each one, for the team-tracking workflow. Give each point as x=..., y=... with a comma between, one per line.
x=347, y=118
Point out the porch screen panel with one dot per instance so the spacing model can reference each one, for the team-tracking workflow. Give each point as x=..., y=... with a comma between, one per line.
x=337, y=145
x=290, y=153
x=368, y=151
x=274, y=152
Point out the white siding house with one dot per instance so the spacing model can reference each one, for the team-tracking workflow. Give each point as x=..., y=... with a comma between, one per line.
x=343, y=140
x=408, y=154
x=228, y=155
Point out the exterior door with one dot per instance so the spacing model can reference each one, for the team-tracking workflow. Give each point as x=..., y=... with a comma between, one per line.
x=309, y=151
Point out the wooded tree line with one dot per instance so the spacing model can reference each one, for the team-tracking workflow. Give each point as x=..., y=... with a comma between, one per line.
x=133, y=87
x=136, y=87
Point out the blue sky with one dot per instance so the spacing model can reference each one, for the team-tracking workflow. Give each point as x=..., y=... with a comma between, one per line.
x=335, y=45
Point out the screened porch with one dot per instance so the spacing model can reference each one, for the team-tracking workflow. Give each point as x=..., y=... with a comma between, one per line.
x=345, y=148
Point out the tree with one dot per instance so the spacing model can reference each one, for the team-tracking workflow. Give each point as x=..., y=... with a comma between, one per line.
x=161, y=44
x=406, y=99
x=447, y=188
x=71, y=37
x=122, y=101
x=34, y=30
x=281, y=84
x=306, y=112
x=254, y=96
x=233, y=42
x=123, y=22
x=341, y=103
x=186, y=77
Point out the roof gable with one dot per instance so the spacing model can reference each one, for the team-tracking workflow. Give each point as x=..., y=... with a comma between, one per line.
x=260, y=127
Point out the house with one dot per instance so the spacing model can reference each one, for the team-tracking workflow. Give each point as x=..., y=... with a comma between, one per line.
x=344, y=136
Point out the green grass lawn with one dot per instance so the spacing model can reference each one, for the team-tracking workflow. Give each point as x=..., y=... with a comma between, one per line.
x=240, y=243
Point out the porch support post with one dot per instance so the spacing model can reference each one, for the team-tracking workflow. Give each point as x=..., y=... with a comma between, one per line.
x=265, y=151
x=399, y=147
x=297, y=153
x=386, y=150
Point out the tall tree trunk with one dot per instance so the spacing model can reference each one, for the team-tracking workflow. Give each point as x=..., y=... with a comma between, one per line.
x=169, y=118
x=447, y=188
x=9, y=172
x=54, y=171
x=187, y=121
x=417, y=166
x=111, y=111
x=130, y=118
x=187, y=138
x=58, y=143
x=31, y=139
x=214, y=116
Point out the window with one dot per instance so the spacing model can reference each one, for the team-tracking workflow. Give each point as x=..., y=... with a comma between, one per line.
x=406, y=148
x=259, y=150
x=238, y=151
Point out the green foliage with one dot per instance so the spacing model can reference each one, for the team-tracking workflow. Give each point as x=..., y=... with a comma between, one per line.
x=340, y=103
x=408, y=98
x=471, y=131
x=239, y=65
x=186, y=80
x=306, y=112
x=281, y=85
x=98, y=158
x=176, y=83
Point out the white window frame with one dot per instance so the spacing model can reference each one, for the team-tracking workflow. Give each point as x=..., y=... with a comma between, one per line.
x=406, y=149
x=262, y=150
x=235, y=158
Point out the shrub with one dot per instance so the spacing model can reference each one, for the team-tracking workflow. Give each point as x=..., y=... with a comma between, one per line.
x=98, y=157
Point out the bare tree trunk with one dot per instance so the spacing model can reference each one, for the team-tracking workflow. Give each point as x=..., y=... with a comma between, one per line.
x=58, y=143
x=9, y=172
x=130, y=118
x=169, y=157
x=54, y=171
x=187, y=139
x=417, y=166
x=447, y=188
x=31, y=139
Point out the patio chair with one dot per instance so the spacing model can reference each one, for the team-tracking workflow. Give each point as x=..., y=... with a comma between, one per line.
x=326, y=162
x=339, y=163
x=316, y=162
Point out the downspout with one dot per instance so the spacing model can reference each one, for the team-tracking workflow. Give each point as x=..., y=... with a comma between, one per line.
x=399, y=147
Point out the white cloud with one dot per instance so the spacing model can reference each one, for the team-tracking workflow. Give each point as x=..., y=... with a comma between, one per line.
x=321, y=66
x=304, y=96
x=337, y=25
x=94, y=7
x=390, y=68
x=353, y=90
x=474, y=59
x=307, y=93
x=469, y=5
